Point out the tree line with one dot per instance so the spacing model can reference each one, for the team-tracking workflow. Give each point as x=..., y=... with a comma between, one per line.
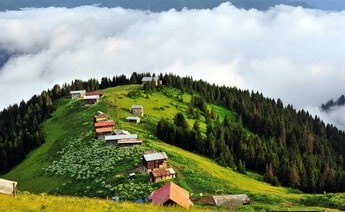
x=289, y=147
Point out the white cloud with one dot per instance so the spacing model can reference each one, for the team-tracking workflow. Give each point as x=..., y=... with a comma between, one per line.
x=290, y=53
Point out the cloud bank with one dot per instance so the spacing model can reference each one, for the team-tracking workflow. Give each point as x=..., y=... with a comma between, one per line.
x=290, y=53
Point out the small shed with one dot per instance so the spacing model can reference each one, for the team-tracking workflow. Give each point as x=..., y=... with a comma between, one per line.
x=102, y=117
x=154, y=161
x=8, y=186
x=90, y=100
x=158, y=175
x=129, y=142
x=108, y=123
x=133, y=119
x=171, y=194
x=93, y=93
x=101, y=132
x=123, y=140
x=155, y=80
x=137, y=110
x=77, y=94
x=122, y=132
x=231, y=200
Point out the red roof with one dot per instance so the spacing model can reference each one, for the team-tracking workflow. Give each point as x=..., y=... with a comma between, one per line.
x=173, y=192
x=160, y=173
x=94, y=93
x=105, y=124
x=104, y=130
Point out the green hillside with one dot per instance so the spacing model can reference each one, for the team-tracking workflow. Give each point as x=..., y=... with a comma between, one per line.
x=54, y=167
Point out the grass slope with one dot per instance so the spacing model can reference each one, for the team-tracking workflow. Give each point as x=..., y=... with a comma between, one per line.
x=31, y=202
x=195, y=173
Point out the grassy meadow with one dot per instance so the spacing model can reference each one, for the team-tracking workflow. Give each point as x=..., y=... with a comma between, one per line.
x=43, y=202
x=197, y=174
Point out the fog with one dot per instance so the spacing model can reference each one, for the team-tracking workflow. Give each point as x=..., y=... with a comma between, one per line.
x=290, y=53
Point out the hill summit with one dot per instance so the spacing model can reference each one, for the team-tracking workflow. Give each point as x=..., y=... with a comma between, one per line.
x=233, y=132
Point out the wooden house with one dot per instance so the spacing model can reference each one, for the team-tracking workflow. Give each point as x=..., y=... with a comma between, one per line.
x=90, y=100
x=77, y=94
x=122, y=132
x=137, y=110
x=101, y=132
x=8, y=187
x=154, y=161
x=93, y=93
x=155, y=80
x=171, y=194
x=133, y=119
x=158, y=175
x=123, y=140
x=231, y=200
x=101, y=117
x=108, y=123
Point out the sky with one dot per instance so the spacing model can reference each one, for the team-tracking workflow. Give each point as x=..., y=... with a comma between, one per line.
x=290, y=53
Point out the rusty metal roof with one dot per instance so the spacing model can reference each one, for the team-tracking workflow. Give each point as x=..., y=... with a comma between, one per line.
x=173, y=192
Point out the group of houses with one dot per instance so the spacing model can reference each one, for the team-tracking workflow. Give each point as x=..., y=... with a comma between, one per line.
x=154, y=163
x=90, y=98
x=137, y=112
x=103, y=125
x=104, y=128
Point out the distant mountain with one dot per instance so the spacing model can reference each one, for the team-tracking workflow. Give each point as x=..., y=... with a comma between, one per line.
x=163, y=5
x=332, y=103
x=4, y=57
x=154, y=5
x=323, y=5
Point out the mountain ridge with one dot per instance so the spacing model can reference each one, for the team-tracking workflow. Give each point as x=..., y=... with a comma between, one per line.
x=162, y=5
x=116, y=103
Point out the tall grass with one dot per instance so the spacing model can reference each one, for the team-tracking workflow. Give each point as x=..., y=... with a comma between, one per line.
x=31, y=202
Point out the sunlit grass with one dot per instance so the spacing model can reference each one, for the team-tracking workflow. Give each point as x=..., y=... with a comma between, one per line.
x=30, y=202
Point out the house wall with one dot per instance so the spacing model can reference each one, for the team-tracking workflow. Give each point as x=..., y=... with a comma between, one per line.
x=161, y=178
x=76, y=95
x=102, y=135
x=90, y=101
x=152, y=165
x=111, y=143
x=138, y=111
x=136, y=121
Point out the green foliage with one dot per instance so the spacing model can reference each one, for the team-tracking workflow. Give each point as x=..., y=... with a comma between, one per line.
x=326, y=200
x=90, y=159
x=195, y=173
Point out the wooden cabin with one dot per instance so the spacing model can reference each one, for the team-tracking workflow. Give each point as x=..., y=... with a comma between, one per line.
x=170, y=195
x=108, y=123
x=101, y=117
x=133, y=119
x=93, y=93
x=101, y=132
x=154, y=161
x=91, y=100
x=231, y=200
x=137, y=110
x=123, y=140
x=8, y=187
x=122, y=132
x=158, y=175
x=77, y=94
x=155, y=80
